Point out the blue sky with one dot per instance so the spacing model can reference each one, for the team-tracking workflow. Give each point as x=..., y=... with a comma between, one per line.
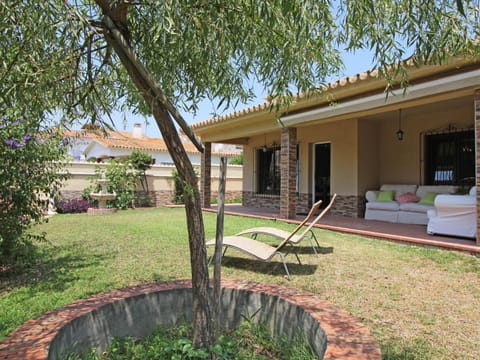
x=354, y=63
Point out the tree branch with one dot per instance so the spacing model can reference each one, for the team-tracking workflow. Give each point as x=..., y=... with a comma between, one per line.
x=158, y=93
x=196, y=231
x=117, y=12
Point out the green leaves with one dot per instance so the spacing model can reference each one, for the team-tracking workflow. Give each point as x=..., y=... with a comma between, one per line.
x=429, y=31
x=122, y=180
x=31, y=172
x=54, y=54
x=140, y=160
x=216, y=49
x=460, y=8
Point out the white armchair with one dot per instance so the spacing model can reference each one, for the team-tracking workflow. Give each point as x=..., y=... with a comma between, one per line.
x=454, y=215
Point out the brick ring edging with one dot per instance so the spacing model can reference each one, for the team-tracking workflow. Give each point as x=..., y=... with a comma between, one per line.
x=346, y=337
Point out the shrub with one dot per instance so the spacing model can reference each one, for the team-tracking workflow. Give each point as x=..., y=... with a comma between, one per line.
x=143, y=200
x=72, y=206
x=31, y=172
x=178, y=192
x=141, y=161
x=122, y=180
x=237, y=160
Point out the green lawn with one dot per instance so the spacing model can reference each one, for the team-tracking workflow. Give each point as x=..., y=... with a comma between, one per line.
x=419, y=303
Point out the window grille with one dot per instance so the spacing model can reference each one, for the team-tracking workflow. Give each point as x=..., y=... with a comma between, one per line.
x=269, y=170
x=450, y=158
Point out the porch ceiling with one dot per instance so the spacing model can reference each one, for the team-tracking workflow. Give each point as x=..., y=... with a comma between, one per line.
x=435, y=92
x=413, y=109
x=239, y=132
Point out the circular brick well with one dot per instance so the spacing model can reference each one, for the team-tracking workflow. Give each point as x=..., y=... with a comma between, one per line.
x=137, y=311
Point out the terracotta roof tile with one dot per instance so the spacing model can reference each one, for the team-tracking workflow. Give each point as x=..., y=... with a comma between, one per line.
x=125, y=140
x=266, y=106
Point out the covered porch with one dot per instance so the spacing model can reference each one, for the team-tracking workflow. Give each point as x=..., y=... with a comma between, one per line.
x=353, y=139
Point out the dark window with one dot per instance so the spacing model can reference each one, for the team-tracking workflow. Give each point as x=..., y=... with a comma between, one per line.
x=268, y=170
x=450, y=158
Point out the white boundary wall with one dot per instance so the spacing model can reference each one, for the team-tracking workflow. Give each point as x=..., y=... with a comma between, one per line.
x=160, y=181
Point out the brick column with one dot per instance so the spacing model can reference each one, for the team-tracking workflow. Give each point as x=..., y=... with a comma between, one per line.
x=206, y=175
x=477, y=156
x=288, y=173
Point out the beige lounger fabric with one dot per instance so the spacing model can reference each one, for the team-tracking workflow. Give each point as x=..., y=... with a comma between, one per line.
x=278, y=233
x=292, y=237
x=252, y=247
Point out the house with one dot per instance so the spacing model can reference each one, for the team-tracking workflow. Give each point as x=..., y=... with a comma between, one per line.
x=354, y=138
x=98, y=146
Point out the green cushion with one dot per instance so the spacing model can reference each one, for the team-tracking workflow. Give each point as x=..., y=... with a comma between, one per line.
x=385, y=195
x=428, y=198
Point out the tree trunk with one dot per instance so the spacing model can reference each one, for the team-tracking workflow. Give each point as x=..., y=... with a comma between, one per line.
x=217, y=275
x=196, y=231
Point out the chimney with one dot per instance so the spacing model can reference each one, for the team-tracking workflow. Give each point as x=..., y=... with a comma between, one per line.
x=137, y=131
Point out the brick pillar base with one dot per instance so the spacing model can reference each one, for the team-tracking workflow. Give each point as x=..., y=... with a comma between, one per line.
x=288, y=173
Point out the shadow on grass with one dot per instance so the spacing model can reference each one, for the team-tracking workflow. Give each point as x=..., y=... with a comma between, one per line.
x=43, y=271
x=271, y=267
x=419, y=349
x=157, y=277
x=308, y=250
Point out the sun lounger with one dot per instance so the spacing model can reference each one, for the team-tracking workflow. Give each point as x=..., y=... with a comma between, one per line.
x=265, y=252
x=293, y=237
x=254, y=248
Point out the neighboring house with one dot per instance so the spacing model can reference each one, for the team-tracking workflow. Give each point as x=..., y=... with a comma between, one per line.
x=98, y=146
x=354, y=138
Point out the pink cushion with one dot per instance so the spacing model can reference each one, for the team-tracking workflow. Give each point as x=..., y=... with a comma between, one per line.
x=407, y=197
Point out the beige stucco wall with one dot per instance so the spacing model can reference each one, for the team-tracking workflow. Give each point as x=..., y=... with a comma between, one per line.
x=365, y=152
x=402, y=161
x=159, y=177
x=368, y=157
x=343, y=140
x=234, y=175
x=343, y=146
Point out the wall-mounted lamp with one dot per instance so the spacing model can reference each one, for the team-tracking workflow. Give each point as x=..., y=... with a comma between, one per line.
x=264, y=147
x=400, y=131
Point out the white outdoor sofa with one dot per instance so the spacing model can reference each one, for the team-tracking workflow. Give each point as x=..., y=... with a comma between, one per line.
x=454, y=215
x=408, y=205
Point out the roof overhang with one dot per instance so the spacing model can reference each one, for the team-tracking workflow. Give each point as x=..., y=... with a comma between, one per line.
x=358, y=95
x=455, y=85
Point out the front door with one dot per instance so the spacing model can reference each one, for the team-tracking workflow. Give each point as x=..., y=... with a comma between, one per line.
x=321, y=177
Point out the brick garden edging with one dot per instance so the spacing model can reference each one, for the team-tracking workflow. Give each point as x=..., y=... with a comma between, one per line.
x=341, y=335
